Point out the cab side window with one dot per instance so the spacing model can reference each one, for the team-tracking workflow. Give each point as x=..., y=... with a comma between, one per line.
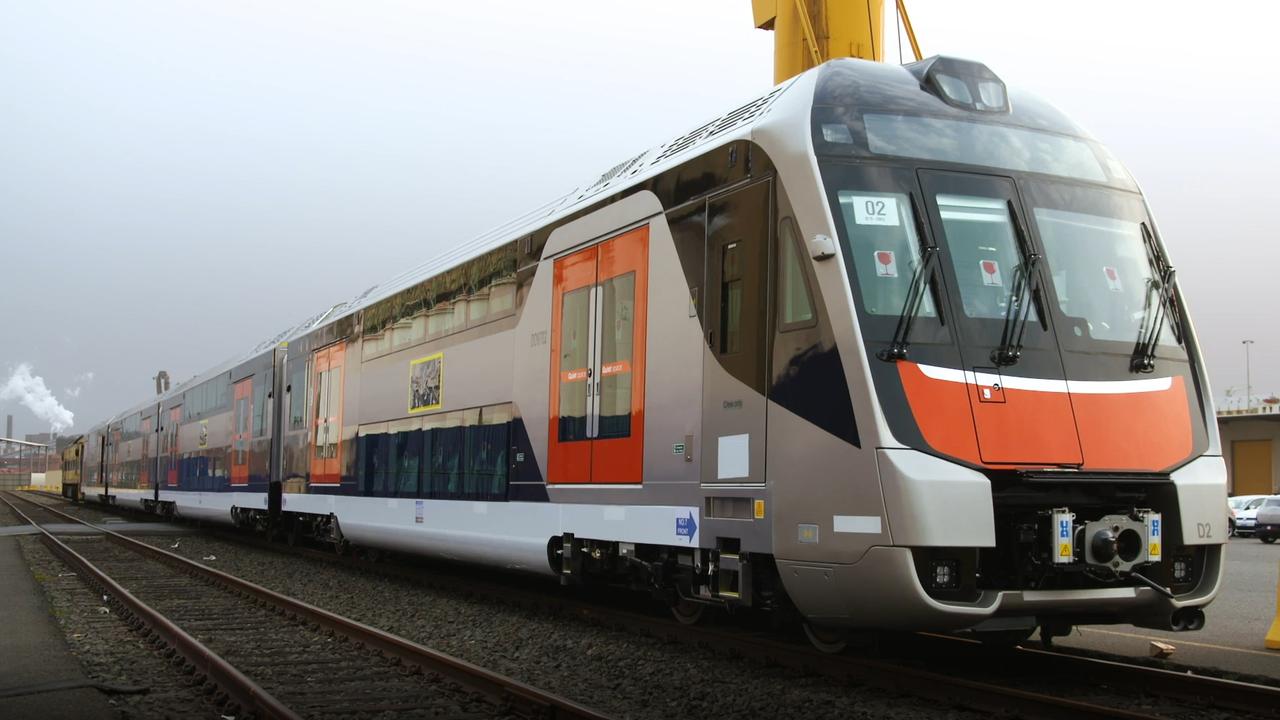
x=795, y=306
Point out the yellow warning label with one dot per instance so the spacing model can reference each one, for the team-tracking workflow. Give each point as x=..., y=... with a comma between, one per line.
x=759, y=509
x=1155, y=550
x=1064, y=550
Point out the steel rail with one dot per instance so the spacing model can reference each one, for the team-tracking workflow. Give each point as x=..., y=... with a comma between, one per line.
x=522, y=698
x=1202, y=689
x=243, y=691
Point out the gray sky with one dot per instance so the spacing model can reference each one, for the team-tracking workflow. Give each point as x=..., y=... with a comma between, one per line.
x=180, y=180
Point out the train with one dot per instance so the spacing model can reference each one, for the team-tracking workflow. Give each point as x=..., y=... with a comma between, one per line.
x=885, y=347
x=72, y=462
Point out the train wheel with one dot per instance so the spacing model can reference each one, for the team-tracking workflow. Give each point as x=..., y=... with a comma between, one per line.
x=688, y=612
x=832, y=641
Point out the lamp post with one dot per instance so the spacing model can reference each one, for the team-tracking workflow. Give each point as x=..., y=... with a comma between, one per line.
x=1248, y=380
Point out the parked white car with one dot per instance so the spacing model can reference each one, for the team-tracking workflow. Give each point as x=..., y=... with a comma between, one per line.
x=1247, y=513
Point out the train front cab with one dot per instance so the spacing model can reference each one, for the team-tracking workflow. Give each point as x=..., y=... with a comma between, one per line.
x=1043, y=446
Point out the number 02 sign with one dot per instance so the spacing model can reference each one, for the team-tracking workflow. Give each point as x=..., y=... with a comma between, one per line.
x=871, y=210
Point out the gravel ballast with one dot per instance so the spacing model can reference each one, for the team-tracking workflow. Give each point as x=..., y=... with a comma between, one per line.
x=109, y=651
x=612, y=671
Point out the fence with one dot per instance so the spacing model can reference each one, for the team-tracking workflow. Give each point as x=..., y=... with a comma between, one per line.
x=23, y=463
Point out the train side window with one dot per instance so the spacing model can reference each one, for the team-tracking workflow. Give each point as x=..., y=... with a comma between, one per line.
x=407, y=461
x=795, y=306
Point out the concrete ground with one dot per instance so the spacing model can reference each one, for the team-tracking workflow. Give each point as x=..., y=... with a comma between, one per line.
x=34, y=657
x=1235, y=624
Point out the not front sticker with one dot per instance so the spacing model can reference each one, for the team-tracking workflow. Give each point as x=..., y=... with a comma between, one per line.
x=869, y=210
x=886, y=264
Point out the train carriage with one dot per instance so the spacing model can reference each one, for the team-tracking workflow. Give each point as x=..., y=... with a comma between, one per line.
x=72, y=467
x=891, y=346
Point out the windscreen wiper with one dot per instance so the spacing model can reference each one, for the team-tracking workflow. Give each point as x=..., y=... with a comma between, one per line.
x=1025, y=285
x=920, y=280
x=1160, y=303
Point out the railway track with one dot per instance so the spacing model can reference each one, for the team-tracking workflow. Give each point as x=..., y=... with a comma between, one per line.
x=272, y=656
x=897, y=668
x=909, y=666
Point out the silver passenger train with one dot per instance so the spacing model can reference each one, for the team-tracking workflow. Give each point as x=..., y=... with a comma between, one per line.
x=889, y=347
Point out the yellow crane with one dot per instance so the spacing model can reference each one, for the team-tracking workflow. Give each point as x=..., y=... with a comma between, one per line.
x=807, y=33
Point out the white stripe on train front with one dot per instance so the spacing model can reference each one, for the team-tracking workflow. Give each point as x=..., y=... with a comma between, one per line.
x=1079, y=387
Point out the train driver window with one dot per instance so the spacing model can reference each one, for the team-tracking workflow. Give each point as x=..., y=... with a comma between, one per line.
x=885, y=249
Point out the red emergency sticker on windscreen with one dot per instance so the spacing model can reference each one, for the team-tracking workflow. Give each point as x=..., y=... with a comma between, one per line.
x=1113, y=279
x=886, y=264
x=990, y=273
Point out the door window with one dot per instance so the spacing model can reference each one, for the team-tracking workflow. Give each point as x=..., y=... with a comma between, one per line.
x=730, y=299
x=617, y=322
x=322, y=415
x=242, y=415
x=575, y=375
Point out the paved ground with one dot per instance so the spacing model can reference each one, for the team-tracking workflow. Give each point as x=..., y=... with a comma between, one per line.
x=33, y=652
x=1235, y=624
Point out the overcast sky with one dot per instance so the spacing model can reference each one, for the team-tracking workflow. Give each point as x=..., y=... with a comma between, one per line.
x=180, y=180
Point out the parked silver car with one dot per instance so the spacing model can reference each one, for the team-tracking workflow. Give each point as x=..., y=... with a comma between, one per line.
x=1267, y=522
x=1246, y=514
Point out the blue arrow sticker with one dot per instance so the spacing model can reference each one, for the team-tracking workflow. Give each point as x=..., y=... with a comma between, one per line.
x=686, y=527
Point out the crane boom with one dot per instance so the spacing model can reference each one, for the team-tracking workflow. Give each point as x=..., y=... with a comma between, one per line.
x=807, y=33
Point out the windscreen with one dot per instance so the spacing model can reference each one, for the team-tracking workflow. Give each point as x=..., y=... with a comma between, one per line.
x=1101, y=272
x=971, y=143
x=885, y=247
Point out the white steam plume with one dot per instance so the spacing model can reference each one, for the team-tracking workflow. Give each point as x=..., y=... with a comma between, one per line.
x=31, y=391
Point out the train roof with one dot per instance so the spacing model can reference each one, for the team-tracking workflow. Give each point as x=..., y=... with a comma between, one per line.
x=849, y=82
x=729, y=126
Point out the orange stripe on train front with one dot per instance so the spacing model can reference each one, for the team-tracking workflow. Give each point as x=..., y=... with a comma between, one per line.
x=1148, y=429
x=941, y=410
